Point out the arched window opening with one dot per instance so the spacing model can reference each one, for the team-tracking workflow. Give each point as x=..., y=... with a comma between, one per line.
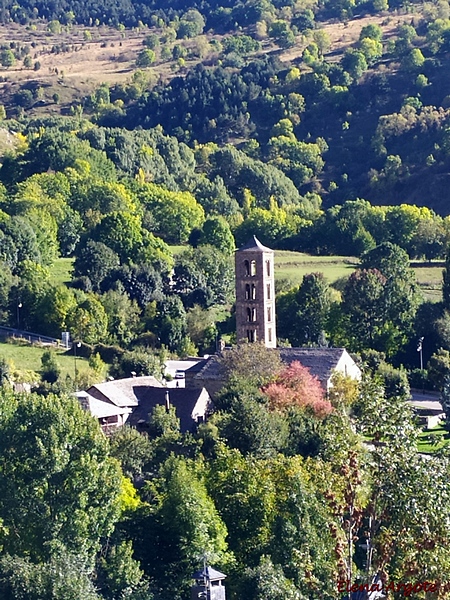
x=253, y=291
x=247, y=267
x=268, y=268
x=253, y=268
x=247, y=292
x=251, y=335
x=253, y=314
x=249, y=314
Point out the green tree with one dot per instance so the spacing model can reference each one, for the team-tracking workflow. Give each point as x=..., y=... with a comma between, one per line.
x=7, y=58
x=88, y=320
x=247, y=424
x=145, y=58
x=191, y=24
x=64, y=576
x=216, y=232
x=50, y=367
x=123, y=315
x=174, y=214
x=268, y=581
x=95, y=260
x=122, y=233
x=152, y=41
x=119, y=574
x=354, y=62
x=132, y=449
x=282, y=33
x=302, y=314
x=58, y=483
x=372, y=31
x=413, y=61
x=204, y=276
x=186, y=526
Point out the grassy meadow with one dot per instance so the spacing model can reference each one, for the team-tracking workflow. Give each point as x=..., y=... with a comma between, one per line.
x=432, y=440
x=26, y=357
x=291, y=266
x=61, y=271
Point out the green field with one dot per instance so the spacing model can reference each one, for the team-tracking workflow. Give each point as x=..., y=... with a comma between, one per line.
x=292, y=266
x=432, y=440
x=430, y=280
x=28, y=358
x=61, y=271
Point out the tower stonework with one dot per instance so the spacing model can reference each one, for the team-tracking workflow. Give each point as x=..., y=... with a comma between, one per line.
x=255, y=294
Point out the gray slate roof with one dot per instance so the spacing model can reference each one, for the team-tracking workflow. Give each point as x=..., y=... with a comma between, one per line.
x=184, y=401
x=209, y=368
x=123, y=392
x=319, y=361
x=100, y=408
x=254, y=245
x=209, y=573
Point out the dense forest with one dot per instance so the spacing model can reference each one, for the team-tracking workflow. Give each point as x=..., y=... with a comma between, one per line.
x=319, y=127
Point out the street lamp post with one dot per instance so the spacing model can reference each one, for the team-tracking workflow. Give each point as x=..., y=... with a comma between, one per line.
x=75, y=346
x=420, y=351
x=19, y=306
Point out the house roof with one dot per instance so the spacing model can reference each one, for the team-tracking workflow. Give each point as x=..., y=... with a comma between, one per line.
x=209, y=573
x=123, y=392
x=207, y=369
x=184, y=400
x=99, y=408
x=320, y=361
x=254, y=245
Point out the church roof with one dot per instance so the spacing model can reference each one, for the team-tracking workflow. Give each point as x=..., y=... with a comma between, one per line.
x=320, y=361
x=254, y=245
x=209, y=573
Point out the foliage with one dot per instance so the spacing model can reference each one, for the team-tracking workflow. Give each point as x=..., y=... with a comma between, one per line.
x=47, y=443
x=302, y=313
x=295, y=386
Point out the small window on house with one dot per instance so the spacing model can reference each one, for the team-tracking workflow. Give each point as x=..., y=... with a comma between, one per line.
x=268, y=268
x=269, y=313
x=253, y=314
x=249, y=314
x=253, y=291
x=247, y=292
x=253, y=268
x=247, y=267
x=251, y=335
x=269, y=334
x=268, y=291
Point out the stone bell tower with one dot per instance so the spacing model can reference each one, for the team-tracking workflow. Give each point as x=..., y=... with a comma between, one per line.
x=255, y=294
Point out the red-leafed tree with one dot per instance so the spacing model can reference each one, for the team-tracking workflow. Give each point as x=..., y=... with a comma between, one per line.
x=295, y=386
